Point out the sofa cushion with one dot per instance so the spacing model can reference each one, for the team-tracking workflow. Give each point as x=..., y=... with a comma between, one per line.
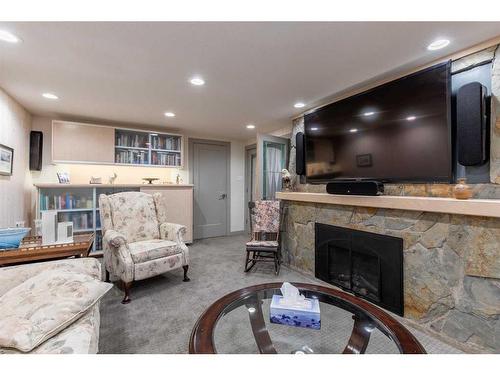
x=134, y=215
x=12, y=276
x=144, y=251
x=44, y=305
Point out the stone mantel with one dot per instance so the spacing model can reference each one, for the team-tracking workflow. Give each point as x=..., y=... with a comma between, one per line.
x=472, y=207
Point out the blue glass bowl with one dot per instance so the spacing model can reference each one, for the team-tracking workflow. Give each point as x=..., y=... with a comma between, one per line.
x=11, y=237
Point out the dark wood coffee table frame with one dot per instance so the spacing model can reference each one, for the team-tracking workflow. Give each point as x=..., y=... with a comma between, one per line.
x=366, y=317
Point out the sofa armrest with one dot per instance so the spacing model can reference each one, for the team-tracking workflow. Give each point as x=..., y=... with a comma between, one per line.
x=173, y=232
x=117, y=258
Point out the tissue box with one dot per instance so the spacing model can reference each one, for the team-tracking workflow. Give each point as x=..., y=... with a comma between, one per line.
x=290, y=316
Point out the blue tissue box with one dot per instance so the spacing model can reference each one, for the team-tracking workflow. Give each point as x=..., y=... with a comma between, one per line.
x=303, y=317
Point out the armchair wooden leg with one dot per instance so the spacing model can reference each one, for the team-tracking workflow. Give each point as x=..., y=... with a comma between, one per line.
x=107, y=276
x=186, y=278
x=126, y=288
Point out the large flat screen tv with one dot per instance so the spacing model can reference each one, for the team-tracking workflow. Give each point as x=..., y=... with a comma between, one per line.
x=397, y=132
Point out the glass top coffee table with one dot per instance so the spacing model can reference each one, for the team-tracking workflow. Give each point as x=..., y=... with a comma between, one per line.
x=240, y=323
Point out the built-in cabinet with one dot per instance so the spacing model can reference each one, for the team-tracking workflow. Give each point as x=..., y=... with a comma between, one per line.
x=80, y=204
x=74, y=142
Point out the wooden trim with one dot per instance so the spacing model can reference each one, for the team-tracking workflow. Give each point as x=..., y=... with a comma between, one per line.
x=374, y=81
x=473, y=207
x=202, y=342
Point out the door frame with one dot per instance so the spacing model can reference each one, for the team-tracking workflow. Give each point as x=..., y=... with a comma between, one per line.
x=248, y=178
x=227, y=145
x=261, y=138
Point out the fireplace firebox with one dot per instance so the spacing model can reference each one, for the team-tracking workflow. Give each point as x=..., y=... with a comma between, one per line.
x=367, y=264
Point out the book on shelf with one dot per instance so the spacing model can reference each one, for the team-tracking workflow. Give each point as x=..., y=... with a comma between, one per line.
x=161, y=142
x=66, y=201
x=164, y=158
x=131, y=140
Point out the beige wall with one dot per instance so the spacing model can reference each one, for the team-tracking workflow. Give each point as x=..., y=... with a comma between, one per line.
x=81, y=173
x=15, y=190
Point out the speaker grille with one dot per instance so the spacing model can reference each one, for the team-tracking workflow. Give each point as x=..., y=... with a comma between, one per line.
x=471, y=124
x=300, y=163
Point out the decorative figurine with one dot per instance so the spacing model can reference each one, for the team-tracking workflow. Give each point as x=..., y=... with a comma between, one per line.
x=286, y=179
x=461, y=190
x=113, y=178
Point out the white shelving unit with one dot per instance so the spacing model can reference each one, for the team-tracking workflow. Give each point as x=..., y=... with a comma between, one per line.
x=85, y=219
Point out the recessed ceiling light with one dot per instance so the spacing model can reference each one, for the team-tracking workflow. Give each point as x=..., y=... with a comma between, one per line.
x=438, y=44
x=251, y=310
x=368, y=114
x=299, y=105
x=250, y=126
x=197, y=81
x=314, y=129
x=169, y=114
x=411, y=118
x=8, y=37
x=353, y=130
x=48, y=95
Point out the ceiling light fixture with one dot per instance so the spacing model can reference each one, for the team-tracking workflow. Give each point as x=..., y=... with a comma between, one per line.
x=314, y=129
x=366, y=114
x=411, y=118
x=48, y=95
x=197, y=81
x=353, y=130
x=8, y=37
x=169, y=114
x=250, y=126
x=438, y=44
x=299, y=105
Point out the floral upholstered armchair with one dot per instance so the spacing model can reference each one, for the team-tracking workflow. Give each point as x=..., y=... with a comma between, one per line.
x=138, y=241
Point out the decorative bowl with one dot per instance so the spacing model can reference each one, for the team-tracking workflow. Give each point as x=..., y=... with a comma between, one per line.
x=12, y=237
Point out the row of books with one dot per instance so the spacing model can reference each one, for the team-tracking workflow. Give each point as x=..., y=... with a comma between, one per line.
x=166, y=143
x=64, y=202
x=131, y=140
x=160, y=158
x=80, y=220
x=131, y=157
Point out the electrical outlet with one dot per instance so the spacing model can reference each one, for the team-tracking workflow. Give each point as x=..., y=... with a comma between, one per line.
x=19, y=224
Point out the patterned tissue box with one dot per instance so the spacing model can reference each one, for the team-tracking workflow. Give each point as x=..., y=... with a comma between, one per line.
x=306, y=316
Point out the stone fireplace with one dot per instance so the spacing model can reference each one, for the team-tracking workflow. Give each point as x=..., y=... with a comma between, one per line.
x=451, y=263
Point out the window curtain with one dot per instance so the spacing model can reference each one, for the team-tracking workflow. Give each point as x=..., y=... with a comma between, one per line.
x=273, y=162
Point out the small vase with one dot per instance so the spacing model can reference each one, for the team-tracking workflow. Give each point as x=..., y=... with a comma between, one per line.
x=462, y=190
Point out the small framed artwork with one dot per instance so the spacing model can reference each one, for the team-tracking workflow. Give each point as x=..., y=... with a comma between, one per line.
x=364, y=160
x=6, y=160
x=63, y=177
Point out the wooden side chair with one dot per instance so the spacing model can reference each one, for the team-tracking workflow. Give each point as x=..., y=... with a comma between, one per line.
x=264, y=245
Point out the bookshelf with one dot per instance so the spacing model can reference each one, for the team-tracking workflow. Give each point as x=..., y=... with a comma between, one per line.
x=79, y=205
x=134, y=147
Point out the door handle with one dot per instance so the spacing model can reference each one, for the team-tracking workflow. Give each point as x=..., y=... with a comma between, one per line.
x=222, y=196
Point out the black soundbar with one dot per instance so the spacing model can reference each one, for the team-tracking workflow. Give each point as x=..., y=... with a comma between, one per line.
x=355, y=187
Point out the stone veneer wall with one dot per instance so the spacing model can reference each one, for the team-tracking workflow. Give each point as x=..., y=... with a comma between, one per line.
x=451, y=262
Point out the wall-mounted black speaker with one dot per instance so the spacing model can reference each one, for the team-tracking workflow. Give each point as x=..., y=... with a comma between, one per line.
x=36, y=146
x=472, y=125
x=300, y=154
x=355, y=187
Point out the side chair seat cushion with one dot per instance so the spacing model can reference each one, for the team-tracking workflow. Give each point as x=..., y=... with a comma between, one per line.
x=144, y=251
x=256, y=243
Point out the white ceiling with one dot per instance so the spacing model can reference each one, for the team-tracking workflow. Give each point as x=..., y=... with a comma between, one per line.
x=254, y=72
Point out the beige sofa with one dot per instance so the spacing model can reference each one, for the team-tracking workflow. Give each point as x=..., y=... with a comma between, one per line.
x=82, y=336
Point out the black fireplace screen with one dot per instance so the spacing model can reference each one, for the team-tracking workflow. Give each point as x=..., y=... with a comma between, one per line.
x=366, y=264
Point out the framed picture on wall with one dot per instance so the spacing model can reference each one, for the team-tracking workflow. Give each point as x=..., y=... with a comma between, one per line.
x=6, y=160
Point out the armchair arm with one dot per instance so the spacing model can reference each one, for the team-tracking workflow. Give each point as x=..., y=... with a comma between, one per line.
x=117, y=258
x=172, y=232
x=114, y=238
